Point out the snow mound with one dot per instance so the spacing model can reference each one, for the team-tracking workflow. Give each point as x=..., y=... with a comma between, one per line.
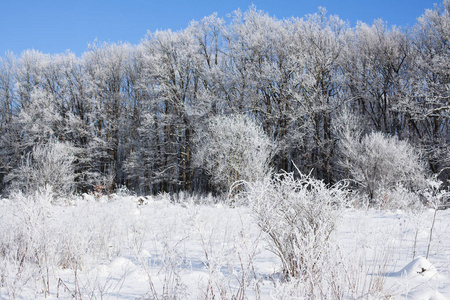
x=122, y=263
x=420, y=266
x=417, y=280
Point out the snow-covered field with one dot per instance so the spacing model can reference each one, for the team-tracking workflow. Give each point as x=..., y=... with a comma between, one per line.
x=89, y=248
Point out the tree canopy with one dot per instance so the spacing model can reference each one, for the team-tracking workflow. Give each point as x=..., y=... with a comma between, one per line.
x=132, y=113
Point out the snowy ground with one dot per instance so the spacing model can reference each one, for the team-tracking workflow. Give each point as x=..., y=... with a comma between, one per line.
x=118, y=249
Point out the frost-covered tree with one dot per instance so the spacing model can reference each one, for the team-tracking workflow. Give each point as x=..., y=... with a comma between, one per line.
x=378, y=161
x=233, y=148
x=320, y=41
x=260, y=77
x=428, y=108
x=48, y=164
x=376, y=74
x=168, y=59
x=7, y=111
x=39, y=121
x=143, y=163
x=104, y=65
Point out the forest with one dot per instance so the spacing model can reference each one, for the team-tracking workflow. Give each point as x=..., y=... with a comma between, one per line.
x=169, y=114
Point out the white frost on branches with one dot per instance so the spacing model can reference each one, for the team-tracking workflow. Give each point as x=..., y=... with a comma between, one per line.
x=298, y=215
x=49, y=164
x=233, y=148
x=381, y=162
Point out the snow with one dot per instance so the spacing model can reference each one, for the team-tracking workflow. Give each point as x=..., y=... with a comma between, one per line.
x=125, y=250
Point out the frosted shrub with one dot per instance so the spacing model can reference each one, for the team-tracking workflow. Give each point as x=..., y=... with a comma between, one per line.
x=379, y=163
x=27, y=244
x=298, y=216
x=49, y=164
x=233, y=148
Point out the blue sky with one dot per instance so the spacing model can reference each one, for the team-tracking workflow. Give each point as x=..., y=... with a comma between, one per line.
x=52, y=26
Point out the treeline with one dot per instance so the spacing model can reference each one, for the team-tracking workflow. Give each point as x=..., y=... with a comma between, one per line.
x=130, y=114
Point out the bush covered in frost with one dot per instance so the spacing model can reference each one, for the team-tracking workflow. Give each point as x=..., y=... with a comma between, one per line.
x=381, y=163
x=233, y=148
x=298, y=216
x=47, y=164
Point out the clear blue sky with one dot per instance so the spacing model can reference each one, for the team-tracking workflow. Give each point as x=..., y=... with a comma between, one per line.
x=52, y=26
